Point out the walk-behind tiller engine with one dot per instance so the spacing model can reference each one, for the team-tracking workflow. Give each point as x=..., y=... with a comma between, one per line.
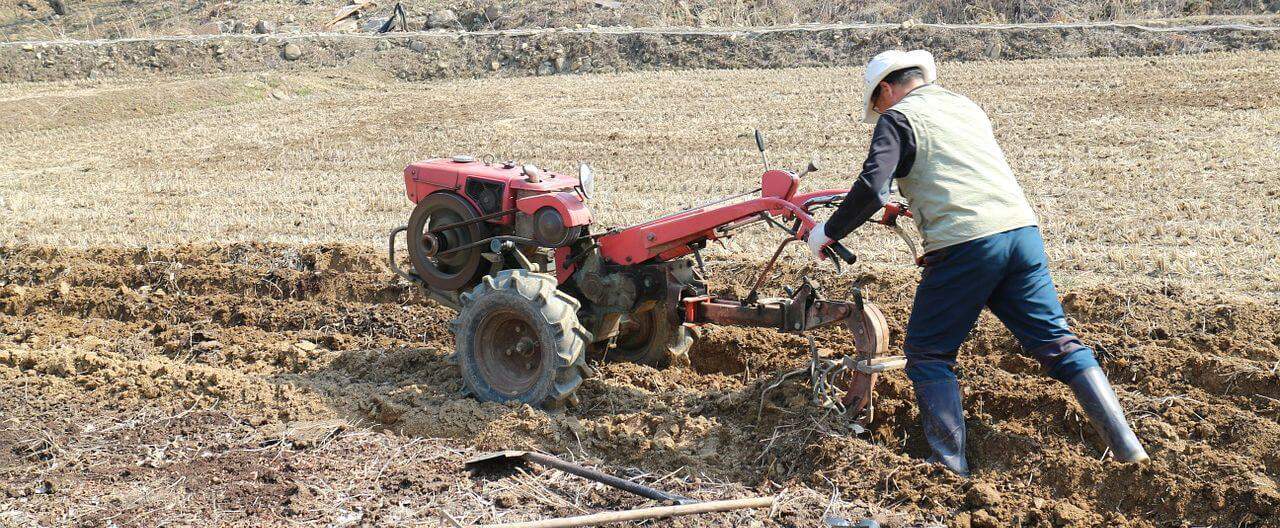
x=537, y=285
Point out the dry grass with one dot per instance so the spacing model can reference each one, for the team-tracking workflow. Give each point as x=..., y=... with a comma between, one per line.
x=1141, y=169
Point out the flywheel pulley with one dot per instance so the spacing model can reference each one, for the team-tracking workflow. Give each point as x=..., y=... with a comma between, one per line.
x=434, y=244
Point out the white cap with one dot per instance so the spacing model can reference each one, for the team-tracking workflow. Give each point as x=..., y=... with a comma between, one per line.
x=888, y=62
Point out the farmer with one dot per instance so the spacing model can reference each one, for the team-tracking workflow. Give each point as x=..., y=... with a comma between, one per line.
x=981, y=248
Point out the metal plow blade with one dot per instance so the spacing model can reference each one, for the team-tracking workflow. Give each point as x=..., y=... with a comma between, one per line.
x=858, y=375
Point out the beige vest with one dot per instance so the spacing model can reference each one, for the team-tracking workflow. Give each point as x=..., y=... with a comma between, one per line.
x=960, y=187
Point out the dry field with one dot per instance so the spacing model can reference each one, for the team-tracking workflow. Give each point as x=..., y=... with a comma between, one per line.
x=196, y=325
x=1151, y=169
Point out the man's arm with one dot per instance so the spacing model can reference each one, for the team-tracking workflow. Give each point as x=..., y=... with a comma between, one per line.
x=892, y=153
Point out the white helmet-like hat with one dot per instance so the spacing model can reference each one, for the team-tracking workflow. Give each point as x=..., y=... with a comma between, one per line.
x=888, y=62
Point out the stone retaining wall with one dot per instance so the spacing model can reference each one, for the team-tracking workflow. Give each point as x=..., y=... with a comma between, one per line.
x=440, y=54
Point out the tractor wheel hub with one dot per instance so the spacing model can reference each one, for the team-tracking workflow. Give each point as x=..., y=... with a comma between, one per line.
x=509, y=356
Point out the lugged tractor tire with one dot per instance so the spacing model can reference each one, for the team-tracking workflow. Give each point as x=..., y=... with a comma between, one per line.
x=656, y=338
x=518, y=339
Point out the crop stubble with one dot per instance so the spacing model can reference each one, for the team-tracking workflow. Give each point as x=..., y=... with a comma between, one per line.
x=1150, y=168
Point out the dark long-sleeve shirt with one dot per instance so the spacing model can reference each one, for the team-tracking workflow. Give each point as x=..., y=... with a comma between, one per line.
x=892, y=153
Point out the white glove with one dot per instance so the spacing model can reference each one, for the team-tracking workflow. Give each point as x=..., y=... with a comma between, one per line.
x=818, y=240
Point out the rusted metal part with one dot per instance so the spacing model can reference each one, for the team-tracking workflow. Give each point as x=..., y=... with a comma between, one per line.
x=754, y=294
x=733, y=313
x=844, y=384
x=871, y=338
x=509, y=352
x=824, y=313
x=503, y=459
x=804, y=311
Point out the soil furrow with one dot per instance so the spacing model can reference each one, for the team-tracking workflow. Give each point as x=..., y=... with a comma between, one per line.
x=340, y=339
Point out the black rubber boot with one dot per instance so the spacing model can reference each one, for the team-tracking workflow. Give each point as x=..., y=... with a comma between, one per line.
x=943, y=419
x=1095, y=395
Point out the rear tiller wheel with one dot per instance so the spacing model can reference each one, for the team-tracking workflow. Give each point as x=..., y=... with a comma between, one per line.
x=654, y=338
x=518, y=338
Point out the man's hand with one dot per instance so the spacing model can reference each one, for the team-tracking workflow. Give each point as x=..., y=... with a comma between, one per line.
x=818, y=240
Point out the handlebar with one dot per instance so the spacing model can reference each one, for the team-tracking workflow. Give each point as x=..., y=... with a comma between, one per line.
x=836, y=251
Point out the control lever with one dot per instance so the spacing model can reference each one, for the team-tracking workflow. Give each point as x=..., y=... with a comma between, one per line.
x=837, y=249
x=760, y=146
x=812, y=167
x=892, y=211
x=836, y=252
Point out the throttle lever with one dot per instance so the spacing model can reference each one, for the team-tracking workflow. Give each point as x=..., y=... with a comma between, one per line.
x=892, y=211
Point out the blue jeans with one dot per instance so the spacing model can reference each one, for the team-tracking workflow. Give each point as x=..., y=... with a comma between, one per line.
x=1006, y=272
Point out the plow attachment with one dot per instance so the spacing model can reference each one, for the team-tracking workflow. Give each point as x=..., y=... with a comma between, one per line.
x=845, y=383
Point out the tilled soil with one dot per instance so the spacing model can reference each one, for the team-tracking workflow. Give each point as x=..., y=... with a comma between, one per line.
x=271, y=384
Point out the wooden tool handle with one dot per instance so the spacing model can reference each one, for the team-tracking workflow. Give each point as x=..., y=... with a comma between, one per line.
x=642, y=513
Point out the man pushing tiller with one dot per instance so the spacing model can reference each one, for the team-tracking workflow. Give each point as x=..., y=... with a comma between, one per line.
x=982, y=247
x=514, y=249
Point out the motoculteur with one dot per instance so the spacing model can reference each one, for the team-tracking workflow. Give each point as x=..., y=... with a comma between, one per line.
x=537, y=285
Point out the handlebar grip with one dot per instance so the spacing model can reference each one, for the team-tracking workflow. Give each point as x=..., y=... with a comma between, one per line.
x=840, y=251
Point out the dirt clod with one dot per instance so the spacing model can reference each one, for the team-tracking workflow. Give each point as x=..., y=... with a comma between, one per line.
x=982, y=494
